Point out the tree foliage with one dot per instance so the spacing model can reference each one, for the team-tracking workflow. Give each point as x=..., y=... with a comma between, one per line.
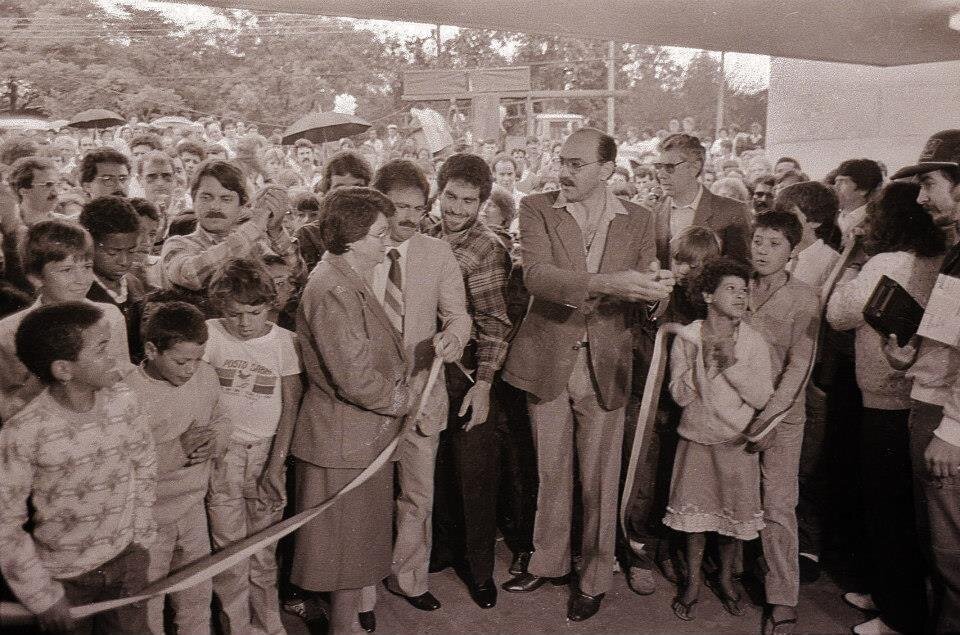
x=61, y=56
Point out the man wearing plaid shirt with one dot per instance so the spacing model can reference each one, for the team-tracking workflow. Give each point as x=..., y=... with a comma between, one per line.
x=467, y=474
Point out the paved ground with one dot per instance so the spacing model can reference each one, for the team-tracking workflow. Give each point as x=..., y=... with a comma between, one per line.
x=822, y=612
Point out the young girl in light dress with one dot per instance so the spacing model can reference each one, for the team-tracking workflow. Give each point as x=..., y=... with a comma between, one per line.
x=720, y=374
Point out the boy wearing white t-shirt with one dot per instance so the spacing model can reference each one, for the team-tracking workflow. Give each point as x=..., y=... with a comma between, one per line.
x=259, y=372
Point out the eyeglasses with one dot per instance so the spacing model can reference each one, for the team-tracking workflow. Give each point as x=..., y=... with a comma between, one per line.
x=49, y=185
x=158, y=176
x=576, y=165
x=404, y=207
x=763, y=195
x=110, y=179
x=668, y=167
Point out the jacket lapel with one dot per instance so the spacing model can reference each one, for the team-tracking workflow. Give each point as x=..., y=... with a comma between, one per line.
x=369, y=301
x=569, y=236
x=619, y=236
x=705, y=209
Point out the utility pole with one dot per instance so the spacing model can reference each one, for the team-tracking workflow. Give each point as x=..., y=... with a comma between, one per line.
x=721, y=95
x=611, y=86
x=436, y=33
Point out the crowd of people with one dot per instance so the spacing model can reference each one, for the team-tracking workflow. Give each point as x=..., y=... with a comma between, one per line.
x=204, y=331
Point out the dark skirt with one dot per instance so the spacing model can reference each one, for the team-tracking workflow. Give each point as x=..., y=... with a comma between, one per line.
x=715, y=488
x=350, y=545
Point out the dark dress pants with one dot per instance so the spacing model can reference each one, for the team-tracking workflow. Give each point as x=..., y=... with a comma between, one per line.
x=466, y=483
x=517, y=505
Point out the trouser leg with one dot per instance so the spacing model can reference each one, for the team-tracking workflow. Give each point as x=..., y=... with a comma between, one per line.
x=778, y=468
x=417, y=456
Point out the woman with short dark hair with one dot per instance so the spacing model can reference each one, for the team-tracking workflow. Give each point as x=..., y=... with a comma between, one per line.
x=356, y=395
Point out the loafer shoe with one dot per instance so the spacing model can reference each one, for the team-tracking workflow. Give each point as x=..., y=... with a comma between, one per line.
x=583, y=606
x=526, y=582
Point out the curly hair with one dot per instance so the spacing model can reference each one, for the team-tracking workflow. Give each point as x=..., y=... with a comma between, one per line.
x=714, y=270
x=786, y=223
x=109, y=215
x=818, y=203
x=398, y=174
x=897, y=222
x=348, y=213
x=469, y=168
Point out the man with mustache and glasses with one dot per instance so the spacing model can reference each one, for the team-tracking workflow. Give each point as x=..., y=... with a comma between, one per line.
x=588, y=257
x=105, y=172
x=421, y=289
x=223, y=230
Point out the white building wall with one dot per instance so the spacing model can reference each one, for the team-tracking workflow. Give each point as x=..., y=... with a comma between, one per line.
x=822, y=113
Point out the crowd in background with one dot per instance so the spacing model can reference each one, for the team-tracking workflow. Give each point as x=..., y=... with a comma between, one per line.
x=215, y=267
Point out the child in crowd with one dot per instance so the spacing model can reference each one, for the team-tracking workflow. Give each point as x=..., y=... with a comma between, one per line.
x=816, y=206
x=181, y=395
x=115, y=229
x=689, y=249
x=82, y=455
x=57, y=259
x=147, y=266
x=260, y=390
x=283, y=310
x=787, y=311
x=720, y=375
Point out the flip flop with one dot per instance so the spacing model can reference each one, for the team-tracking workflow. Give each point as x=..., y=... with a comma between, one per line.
x=731, y=604
x=775, y=624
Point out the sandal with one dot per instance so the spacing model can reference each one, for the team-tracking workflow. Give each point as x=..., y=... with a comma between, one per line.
x=731, y=604
x=771, y=625
x=682, y=609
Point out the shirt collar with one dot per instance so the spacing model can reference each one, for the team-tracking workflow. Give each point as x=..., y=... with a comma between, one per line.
x=614, y=205
x=118, y=296
x=694, y=204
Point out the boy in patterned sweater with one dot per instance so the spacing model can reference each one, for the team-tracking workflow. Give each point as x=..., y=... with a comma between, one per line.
x=82, y=453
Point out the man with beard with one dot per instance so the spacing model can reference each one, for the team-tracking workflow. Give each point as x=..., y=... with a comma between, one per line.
x=935, y=409
x=105, y=172
x=468, y=465
x=421, y=289
x=306, y=163
x=587, y=257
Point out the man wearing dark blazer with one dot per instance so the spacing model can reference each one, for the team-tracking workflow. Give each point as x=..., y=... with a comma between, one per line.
x=687, y=202
x=588, y=257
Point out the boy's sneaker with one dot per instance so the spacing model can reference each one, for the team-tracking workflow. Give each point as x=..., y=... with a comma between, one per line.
x=862, y=601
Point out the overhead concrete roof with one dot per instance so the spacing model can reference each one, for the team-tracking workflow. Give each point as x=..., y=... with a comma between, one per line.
x=876, y=32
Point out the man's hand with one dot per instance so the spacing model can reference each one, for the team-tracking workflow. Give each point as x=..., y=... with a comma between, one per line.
x=651, y=286
x=942, y=459
x=724, y=354
x=57, y=618
x=478, y=401
x=447, y=346
x=901, y=357
x=269, y=208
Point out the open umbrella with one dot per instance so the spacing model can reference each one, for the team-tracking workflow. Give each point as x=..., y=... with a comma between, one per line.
x=96, y=118
x=24, y=122
x=171, y=122
x=321, y=127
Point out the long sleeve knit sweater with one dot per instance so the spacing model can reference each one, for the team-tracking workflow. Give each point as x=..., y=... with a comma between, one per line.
x=92, y=478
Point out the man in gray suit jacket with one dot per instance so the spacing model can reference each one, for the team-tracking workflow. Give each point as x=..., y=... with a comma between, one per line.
x=688, y=202
x=431, y=290
x=587, y=258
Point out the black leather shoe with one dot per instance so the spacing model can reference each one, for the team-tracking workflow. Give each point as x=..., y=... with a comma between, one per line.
x=484, y=594
x=521, y=560
x=583, y=606
x=526, y=582
x=424, y=602
x=368, y=621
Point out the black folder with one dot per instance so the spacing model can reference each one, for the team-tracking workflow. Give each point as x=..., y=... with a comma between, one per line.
x=891, y=310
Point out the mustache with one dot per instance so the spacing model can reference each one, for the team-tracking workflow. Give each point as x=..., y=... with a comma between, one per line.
x=567, y=182
x=408, y=224
x=216, y=215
